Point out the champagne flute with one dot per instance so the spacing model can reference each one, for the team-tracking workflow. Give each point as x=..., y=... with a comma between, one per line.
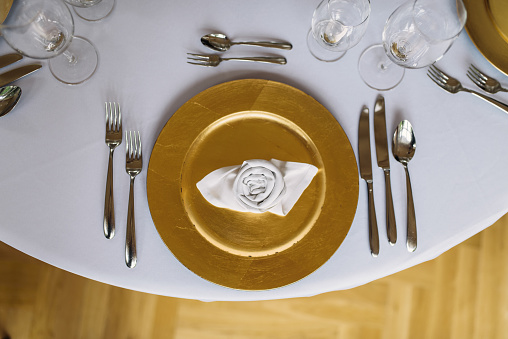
x=417, y=34
x=92, y=10
x=43, y=29
x=337, y=25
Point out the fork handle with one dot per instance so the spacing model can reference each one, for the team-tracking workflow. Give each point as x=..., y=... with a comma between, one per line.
x=130, y=240
x=271, y=44
x=270, y=60
x=493, y=101
x=109, y=206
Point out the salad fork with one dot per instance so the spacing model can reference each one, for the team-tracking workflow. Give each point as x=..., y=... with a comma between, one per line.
x=452, y=85
x=483, y=81
x=133, y=166
x=113, y=139
x=213, y=60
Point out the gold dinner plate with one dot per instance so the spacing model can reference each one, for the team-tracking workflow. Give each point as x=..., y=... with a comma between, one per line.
x=223, y=126
x=5, y=7
x=487, y=26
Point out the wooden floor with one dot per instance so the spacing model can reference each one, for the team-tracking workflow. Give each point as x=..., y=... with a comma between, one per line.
x=462, y=294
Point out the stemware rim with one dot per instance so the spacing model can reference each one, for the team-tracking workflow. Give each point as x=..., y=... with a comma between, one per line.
x=357, y=25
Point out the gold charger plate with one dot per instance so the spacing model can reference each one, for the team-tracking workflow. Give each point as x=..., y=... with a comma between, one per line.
x=487, y=26
x=223, y=126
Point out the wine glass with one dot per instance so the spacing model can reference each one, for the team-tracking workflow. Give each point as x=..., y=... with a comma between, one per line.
x=92, y=10
x=337, y=25
x=416, y=35
x=43, y=29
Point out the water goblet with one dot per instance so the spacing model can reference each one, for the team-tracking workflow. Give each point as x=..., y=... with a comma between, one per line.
x=43, y=29
x=337, y=25
x=417, y=34
x=92, y=10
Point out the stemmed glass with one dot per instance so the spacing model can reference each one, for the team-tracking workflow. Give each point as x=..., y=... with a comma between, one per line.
x=417, y=34
x=43, y=29
x=337, y=25
x=92, y=10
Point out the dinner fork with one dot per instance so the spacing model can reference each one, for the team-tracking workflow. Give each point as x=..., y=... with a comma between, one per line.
x=452, y=85
x=483, y=81
x=133, y=166
x=214, y=60
x=113, y=139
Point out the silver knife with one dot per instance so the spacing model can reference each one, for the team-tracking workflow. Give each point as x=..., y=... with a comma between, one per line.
x=17, y=73
x=6, y=60
x=366, y=174
x=384, y=162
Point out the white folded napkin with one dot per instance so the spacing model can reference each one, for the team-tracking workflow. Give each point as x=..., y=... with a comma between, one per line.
x=258, y=185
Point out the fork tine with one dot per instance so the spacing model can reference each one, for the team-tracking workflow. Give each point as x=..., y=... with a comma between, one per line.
x=107, y=116
x=436, y=76
x=139, y=145
x=478, y=72
x=437, y=80
x=198, y=56
x=477, y=81
x=199, y=63
x=477, y=75
x=440, y=72
x=119, y=121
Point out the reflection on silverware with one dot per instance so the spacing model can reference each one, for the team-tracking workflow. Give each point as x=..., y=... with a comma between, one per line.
x=452, y=85
x=403, y=148
x=383, y=161
x=113, y=139
x=6, y=60
x=9, y=97
x=133, y=166
x=220, y=42
x=17, y=73
x=366, y=174
x=214, y=60
x=483, y=81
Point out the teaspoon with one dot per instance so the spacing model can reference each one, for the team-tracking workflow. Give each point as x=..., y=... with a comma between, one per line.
x=403, y=149
x=220, y=42
x=9, y=97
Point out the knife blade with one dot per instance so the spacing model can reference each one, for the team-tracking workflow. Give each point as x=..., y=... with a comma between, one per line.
x=364, y=156
x=17, y=73
x=383, y=162
x=6, y=60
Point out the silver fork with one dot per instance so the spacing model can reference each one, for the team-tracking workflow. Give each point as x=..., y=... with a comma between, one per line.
x=452, y=85
x=113, y=139
x=214, y=60
x=133, y=166
x=483, y=81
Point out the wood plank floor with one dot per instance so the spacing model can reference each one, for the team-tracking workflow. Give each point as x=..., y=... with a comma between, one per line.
x=462, y=294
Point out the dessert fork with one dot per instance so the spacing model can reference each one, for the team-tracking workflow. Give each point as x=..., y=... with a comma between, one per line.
x=113, y=139
x=483, y=81
x=213, y=60
x=452, y=85
x=133, y=166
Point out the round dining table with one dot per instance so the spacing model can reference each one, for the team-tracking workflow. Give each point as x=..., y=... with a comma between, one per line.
x=54, y=156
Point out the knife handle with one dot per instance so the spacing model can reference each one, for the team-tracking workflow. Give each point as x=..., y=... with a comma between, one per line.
x=373, y=233
x=411, y=216
x=391, y=228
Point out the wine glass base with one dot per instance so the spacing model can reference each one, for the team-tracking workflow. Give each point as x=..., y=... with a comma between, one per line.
x=377, y=70
x=321, y=53
x=77, y=63
x=96, y=12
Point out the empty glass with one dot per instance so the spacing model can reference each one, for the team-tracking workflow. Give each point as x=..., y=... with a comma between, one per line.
x=417, y=34
x=43, y=29
x=337, y=25
x=92, y=10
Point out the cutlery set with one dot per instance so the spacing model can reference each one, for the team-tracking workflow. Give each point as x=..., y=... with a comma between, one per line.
x=220, y=43
x=403, y=149
x=452, y=85
x=133, y=166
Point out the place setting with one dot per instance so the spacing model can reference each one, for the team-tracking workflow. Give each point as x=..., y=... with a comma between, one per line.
x=254, y=184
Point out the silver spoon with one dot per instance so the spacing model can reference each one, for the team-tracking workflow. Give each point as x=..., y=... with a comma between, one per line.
x=403, y=149
x=220, y=42
x=9, y=97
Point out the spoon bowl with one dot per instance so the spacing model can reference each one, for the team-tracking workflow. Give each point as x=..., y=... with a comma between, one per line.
x=220, y=42
x=403, y=149
x=9, y=97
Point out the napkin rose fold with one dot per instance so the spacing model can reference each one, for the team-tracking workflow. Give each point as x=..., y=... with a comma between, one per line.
x=258, y=185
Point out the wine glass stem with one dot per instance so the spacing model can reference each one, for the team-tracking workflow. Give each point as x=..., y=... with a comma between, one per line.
x=71, y=57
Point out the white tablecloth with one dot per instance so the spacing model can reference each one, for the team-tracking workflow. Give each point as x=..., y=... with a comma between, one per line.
x=54, y=157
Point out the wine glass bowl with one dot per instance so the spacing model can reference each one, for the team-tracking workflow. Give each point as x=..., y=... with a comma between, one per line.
x=417, y=34
x=43, y=29
x=337, y=25
x=92, y=10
